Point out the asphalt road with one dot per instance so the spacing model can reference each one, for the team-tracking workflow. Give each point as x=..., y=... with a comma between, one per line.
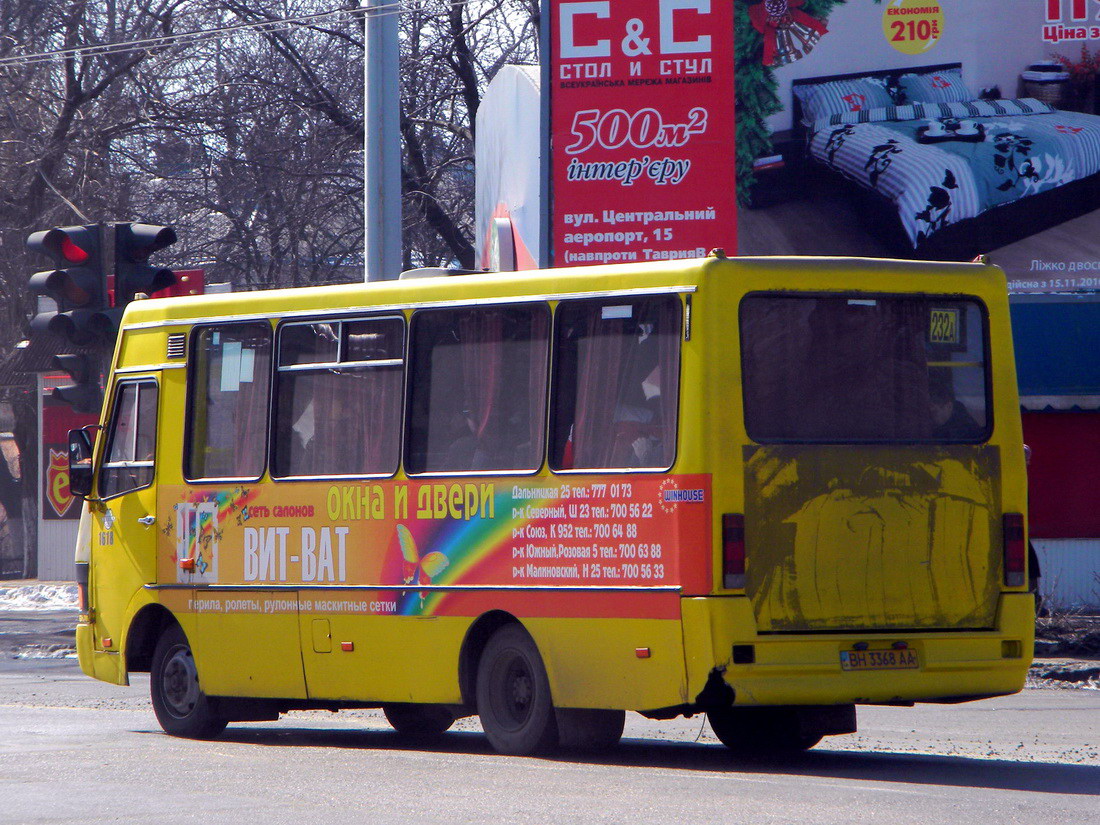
x=73, y=750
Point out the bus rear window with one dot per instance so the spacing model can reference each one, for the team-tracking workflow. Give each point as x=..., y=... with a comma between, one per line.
x=845, y=368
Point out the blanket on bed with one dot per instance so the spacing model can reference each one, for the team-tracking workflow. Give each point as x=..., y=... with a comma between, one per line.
x=992, y=152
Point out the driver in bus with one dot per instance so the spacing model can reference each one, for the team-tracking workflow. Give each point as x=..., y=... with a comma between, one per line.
x=950, y=418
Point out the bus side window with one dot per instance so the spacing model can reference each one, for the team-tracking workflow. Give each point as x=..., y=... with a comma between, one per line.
x=230, y=368
x=616, y=384
x=477, y=389
x=338, y=398
x=132, y=440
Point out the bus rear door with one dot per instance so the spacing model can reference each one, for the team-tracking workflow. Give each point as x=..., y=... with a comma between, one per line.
x=872, y=493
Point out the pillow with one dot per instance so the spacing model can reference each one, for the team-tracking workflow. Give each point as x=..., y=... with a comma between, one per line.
x=842, y=96
x=935, y=87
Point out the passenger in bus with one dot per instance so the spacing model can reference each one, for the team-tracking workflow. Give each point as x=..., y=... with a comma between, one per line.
x=950, y=418
x=466, y=451
x=302, y=432
x=638, y=413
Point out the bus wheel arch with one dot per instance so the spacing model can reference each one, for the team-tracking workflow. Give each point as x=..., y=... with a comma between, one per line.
x=141, y=638
x=473, y=645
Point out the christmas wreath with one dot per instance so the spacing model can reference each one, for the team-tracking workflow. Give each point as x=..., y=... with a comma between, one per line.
x=767, y=34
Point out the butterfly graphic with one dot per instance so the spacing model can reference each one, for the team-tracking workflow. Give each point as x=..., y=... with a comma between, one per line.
x=418, y=569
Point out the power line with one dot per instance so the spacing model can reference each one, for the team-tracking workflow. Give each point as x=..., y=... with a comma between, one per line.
x=194, y=37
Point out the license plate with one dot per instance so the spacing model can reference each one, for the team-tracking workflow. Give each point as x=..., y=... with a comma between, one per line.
x=890, y=659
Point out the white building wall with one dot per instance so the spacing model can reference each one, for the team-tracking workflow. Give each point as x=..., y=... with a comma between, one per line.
x=56, y=544
x=508, y=157
x=1071, y=573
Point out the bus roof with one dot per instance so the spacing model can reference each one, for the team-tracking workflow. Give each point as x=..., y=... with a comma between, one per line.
x=787, y=272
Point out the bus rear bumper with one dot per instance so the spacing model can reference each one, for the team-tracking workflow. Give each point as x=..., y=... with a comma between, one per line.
x=806, y=669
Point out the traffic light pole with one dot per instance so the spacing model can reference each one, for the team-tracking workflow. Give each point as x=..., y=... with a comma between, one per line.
x=382, y=143
x=107, y=253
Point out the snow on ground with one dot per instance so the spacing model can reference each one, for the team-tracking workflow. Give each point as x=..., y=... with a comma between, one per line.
x=38, y=596
x=54, y=651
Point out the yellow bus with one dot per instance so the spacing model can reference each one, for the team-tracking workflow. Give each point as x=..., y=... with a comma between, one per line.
x=764, y=489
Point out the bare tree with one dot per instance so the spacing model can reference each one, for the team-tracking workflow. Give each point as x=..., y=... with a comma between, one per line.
x=55, y=136
x=248, y=140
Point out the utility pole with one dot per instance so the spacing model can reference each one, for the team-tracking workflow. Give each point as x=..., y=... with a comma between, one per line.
x=382, y=147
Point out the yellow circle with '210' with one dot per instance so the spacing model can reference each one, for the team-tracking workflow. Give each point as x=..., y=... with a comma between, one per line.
x=912, y=26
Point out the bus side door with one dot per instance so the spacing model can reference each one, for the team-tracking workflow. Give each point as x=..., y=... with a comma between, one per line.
x=124, y=516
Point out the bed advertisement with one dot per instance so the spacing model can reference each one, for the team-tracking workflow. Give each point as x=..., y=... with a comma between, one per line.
x=927, y=129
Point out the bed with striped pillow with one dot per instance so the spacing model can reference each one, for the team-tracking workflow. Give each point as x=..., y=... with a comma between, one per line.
x=985, y=154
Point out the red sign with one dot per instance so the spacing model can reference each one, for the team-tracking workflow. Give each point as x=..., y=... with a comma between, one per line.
x=57, y=419
x=188, y=282
x=58, y=495
x=642, y=129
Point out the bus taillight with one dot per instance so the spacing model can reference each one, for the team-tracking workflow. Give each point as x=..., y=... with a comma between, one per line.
x=82, y=590
x=733, y=550
x=1015, y=549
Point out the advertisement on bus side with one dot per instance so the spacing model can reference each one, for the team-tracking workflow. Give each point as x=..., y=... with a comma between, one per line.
x=418, y=538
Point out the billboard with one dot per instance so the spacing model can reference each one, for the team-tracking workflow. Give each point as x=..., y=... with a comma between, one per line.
x=642, y=129
x=927, y=129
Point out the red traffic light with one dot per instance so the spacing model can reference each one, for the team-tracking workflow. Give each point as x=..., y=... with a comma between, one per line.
x=66, y=244
x=71, y=252
x=77, y=284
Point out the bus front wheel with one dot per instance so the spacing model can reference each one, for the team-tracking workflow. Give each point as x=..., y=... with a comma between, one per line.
x=179, y=703
x=760, y=731
x=513, y=694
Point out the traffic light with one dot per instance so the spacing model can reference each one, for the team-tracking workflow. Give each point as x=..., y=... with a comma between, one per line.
x=83, y=395
x=77, y=284
x=134, y=243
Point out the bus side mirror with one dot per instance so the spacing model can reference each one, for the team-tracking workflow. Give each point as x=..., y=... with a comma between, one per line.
x=80, y=462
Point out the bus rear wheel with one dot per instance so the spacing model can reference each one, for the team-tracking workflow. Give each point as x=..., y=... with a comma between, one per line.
x=760, y=731
x=513, y=694
x=418, y=721
x=589, y=730
x=179, y=703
